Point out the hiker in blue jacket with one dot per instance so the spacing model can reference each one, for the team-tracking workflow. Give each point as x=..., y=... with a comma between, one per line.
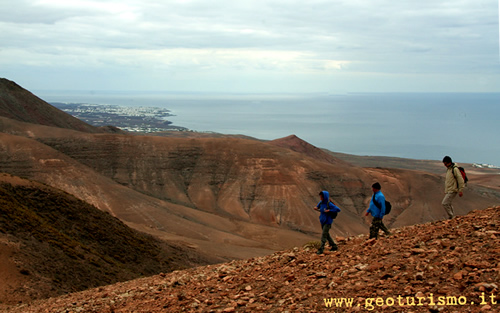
x=377, y=210
x=328, y=212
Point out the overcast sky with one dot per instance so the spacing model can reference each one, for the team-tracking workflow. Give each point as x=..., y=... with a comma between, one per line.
x=254, y=46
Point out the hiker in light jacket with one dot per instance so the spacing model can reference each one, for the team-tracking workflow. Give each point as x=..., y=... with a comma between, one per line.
x=377, y=210
x=454, y=184
x=327, y=213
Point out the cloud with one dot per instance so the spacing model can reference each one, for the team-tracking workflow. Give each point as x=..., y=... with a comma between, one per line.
x=313, y=39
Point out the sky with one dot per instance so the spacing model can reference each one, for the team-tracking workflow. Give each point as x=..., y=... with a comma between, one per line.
x=254, y=46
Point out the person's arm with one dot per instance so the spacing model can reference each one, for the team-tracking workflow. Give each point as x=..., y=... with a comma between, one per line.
x=382, y=205
x=316, y=208
x=368, y=211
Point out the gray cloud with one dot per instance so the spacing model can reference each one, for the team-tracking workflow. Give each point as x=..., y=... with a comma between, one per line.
x=351, y=41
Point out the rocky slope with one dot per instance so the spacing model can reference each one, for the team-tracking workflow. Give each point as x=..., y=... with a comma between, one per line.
x=446, y=266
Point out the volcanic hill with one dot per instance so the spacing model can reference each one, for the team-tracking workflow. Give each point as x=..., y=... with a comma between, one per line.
x=445, y=266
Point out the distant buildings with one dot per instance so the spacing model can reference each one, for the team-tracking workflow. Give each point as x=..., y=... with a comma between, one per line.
x=132, y=119
x=485, y=166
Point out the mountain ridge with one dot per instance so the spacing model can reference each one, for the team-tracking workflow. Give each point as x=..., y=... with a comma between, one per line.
x=19, y=104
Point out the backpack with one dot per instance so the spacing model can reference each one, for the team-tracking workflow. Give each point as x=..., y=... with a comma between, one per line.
x=332, y=206
x=462, y=171
x=388, y=205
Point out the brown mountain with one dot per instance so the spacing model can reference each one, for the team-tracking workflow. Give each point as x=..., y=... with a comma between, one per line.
x=221, y=235
x=296, y=144
x=445, y=266
x=52, y=243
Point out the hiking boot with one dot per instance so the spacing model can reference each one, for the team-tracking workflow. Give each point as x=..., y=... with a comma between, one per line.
x=319, y=251
x=334, y=248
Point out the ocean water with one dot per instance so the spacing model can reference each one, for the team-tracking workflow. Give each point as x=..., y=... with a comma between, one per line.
x=411, y=125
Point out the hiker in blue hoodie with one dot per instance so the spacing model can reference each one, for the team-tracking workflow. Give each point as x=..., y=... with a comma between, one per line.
x=328, y=212
x=377, y=210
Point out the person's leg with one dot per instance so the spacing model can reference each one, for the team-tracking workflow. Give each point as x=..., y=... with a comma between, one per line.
x=331, y=242
x=447, y=200
x=384, y=228
x=374, y=228
x=323, y=238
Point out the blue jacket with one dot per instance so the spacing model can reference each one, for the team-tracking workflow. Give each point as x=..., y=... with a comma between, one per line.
x=373, y=209
x=326, y=217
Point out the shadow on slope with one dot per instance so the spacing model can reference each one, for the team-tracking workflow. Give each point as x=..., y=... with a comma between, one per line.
x=60, y=244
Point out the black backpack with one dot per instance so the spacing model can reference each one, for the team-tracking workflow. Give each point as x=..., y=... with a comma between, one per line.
x=388, y=205
x=336, y=209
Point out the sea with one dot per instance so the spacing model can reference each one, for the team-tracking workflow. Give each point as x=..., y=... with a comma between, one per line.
x=428, y=126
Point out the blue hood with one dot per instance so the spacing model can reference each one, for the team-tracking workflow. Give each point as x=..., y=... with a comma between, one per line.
x=326, y=196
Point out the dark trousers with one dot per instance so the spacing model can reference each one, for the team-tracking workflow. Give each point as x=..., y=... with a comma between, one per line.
x=325, y=236
x=376, y=225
